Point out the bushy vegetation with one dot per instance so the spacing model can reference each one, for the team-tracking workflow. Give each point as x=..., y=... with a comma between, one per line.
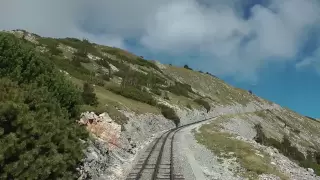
x=166, y=96
x=156, y=91
x=51, y=44
x=104, y=63
x=81, y=55
x=311, y=161
x=121, y=66
x=203, y=103
x=134, y=93
x=132, y=77
x=137, y=79
x=88, y=95
x=137, y=60
x=80, y=44
x=180, y=89
x=211, y=74
x=75, y=69
x=187, y=67
x=142, y=62
x=169, y=113
x=189, y=106
x=39, y=137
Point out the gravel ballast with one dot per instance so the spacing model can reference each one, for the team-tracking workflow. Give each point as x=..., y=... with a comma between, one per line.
x=194, y=161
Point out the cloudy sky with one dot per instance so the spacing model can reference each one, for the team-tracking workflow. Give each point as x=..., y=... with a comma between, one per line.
x=270, y=46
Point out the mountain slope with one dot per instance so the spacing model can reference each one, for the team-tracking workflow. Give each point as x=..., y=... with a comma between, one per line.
x=140, y=96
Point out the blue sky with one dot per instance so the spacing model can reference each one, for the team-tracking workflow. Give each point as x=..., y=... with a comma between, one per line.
x=269, y=46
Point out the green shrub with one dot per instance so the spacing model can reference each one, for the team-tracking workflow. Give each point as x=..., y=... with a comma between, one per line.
x=51, y=44
x=166, y=96
x=169, y=113
x=146, y=63
x=39, y=137
x=78, y=60
x=187, y=67
x=134, y=93
x=156, y=91
x=74, y=69
x=180, y=89
x=104, y=63
x=211, y=74
x=140, y=78
x=203, y=103
x=138, y=60
x=120, y=65
x=137, y=79
x=81, y=44
x=88, y=95
x=189, y=106
x=110, y=51
x=105, y=77
x=81, y=56
x=288, y=150
x=96, y=81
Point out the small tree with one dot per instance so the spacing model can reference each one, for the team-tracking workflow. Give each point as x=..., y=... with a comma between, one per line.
x=110, y=71
x=250, y=91
x=170, y=113
x=187, y=67
x=260, y=137
x=88, y=95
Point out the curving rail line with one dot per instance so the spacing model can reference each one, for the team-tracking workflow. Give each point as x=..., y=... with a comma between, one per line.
x=151, y=166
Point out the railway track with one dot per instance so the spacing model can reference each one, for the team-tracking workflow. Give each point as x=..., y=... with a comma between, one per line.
x=156, y=163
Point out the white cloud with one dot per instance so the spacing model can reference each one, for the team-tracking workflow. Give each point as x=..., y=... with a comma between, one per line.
x=232, y=45
x=312, y=61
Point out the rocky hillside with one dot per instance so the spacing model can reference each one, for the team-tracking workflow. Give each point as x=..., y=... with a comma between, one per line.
x=129, y=100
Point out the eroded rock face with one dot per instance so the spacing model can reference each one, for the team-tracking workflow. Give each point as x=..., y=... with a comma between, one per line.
x=111, y=153
x=103, y=127
x=105, y=138
x=96, y=161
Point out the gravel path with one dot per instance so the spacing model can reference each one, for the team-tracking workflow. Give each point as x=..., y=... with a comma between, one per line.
x=196, y=162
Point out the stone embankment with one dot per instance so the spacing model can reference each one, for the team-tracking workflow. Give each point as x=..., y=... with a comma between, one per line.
x=112, y=152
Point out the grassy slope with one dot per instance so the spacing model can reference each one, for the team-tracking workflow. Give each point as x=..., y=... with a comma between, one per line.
x=301, y=131
x=225, y=146
x=205, y=85
x=210, y=88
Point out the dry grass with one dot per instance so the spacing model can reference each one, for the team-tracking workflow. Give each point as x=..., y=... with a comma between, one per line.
x=182, y=101
x=110, y=98
x=118, y=50
x=225, y=146
x=212, y=86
